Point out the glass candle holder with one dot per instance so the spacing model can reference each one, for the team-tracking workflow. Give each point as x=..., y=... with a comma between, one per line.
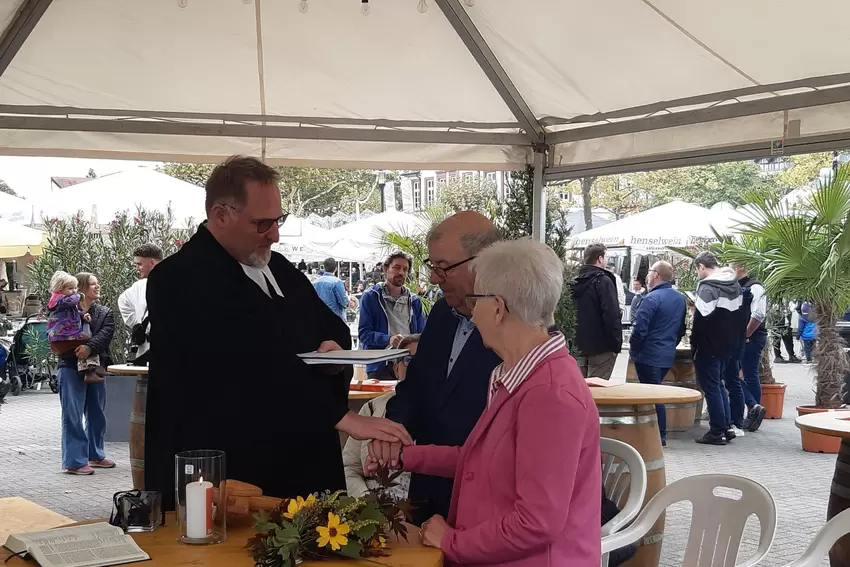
x=199, y=487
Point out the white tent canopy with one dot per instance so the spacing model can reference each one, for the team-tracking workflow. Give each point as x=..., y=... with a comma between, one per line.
x=17, y=240
x=490, y=84
x=100, y=199
x=15, y=209
x=677, y=224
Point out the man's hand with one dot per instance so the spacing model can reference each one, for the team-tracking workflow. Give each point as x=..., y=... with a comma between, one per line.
x=396, y=340
x=362, y=428
x=433, y=530
x=328, y=346
x=382, y=453
x=82, y=352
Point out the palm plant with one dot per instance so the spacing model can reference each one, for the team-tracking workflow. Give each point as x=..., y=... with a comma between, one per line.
x=803, y=253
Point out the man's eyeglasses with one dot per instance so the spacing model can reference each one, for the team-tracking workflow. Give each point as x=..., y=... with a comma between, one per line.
x=472, y=299
x=263, y=225
x=443, y=272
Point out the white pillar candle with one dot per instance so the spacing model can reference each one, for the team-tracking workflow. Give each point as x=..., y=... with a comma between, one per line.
x=199, y=509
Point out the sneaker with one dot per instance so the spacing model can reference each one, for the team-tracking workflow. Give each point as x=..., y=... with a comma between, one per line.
x=730, y=434
x=780, y=360
x=711, y=439
x=755, y=417
x=84, y=470
x=738, y=431
x=794, y=359
x=663, y=442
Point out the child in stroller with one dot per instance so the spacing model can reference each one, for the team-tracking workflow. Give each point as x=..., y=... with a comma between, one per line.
x=67, y=324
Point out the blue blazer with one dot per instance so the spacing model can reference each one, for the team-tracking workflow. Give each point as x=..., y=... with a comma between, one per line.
x=439, y=408
x=658, y=327
x=373, y=328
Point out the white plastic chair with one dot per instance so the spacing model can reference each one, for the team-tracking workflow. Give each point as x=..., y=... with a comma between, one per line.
x=619, y=459
x=717, y=522
x=824, y=540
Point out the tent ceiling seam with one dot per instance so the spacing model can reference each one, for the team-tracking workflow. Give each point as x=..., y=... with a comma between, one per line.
x=261, y=77
x=477, y=46
x=699, y=42
x=19, y=29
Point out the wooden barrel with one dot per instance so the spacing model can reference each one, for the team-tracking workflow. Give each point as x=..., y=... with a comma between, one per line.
x=680, y=417
x=137, y=432
x=638, y=426
x=839, y=500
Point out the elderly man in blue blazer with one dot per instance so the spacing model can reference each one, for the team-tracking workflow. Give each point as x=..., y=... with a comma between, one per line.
x=659, y=325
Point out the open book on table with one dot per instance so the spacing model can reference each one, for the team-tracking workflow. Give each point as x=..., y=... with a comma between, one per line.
x=90, y=545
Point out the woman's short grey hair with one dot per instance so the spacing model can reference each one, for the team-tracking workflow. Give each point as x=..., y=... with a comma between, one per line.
x=527, y=274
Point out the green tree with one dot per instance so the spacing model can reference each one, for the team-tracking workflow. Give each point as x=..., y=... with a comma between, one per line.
x=804, y=169
x=194, y=173
x=474, y=193
x=703, y=185
x=805, y=254
x=74, y=246
x=4, y=188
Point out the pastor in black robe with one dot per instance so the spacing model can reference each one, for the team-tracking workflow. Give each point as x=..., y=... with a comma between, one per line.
x=224, y=374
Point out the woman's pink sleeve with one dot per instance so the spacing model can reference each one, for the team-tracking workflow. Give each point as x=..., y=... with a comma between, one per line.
x=434, y=460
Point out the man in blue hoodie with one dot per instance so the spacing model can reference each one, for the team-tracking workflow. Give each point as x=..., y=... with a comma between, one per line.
x=659, y=325
x=389, y=312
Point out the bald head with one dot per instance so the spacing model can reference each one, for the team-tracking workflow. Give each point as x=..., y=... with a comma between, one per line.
x=660, y=272
x=451, y=245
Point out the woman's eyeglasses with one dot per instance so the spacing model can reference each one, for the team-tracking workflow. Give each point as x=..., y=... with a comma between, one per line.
x=443, y=272
x=472, y=299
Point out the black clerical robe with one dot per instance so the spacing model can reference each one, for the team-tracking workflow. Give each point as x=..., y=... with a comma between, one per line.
x=224, y=374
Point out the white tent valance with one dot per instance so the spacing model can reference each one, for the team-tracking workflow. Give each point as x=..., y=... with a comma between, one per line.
x=489, y=84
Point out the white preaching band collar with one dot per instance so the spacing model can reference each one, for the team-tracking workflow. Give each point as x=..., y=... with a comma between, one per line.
x=259, y=276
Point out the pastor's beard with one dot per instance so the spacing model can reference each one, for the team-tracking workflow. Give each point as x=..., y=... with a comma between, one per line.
x=260, y=259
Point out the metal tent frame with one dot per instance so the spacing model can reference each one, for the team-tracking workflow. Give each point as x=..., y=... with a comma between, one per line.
x=539, y=136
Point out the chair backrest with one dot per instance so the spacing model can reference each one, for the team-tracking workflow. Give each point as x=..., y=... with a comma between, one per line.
x=717, y=521
x=622, y=469
x=834, y=530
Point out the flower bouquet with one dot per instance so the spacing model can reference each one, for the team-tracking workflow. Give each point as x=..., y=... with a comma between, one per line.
x=329, y=525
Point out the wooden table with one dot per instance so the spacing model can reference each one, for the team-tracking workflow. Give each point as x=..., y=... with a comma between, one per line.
x=137, y=378
x=834, y=424
x=18, y=515
x=166, y=551
x=627, y=413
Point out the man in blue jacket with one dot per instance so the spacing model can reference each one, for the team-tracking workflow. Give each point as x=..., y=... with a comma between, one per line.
x=389, y=312
x=659, y=325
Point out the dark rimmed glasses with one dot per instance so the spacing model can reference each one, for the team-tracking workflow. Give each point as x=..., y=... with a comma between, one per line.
x=263, y=225
x=472, y=299
x=443, y=272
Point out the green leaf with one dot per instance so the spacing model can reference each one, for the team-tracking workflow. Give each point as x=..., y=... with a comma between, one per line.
x=367, y=531
x=372, y=512
x=351, y=549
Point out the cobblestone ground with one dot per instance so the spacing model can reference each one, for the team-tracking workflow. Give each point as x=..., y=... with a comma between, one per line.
x=30, y=466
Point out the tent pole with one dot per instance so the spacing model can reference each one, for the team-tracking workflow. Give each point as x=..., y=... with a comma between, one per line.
x=19, y=29
x=538, y=201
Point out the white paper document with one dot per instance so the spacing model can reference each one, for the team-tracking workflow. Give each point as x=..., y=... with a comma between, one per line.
x=350, y=357
x=91, y=545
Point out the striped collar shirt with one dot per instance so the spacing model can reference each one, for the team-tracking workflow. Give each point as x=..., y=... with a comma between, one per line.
x=511, y=379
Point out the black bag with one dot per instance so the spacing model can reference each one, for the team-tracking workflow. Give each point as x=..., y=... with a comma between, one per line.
x=139, y=333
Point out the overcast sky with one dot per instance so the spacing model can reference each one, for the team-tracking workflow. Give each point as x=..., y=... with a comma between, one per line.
x=30, y=176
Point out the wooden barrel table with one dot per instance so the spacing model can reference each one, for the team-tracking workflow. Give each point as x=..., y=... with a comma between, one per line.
x=684, y=416
x=627, y=413
x=137, y=420
x=835, y=424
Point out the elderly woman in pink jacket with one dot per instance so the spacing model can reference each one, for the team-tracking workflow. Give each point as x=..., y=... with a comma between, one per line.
x=527, y=480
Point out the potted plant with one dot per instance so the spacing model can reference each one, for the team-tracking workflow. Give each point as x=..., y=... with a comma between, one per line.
x=805, y=253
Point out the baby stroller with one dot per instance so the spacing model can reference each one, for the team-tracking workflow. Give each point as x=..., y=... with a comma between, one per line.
x=33, y=369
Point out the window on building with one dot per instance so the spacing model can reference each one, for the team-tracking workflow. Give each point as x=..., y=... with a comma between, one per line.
x=417, y=196
x=432, y=196
x=491, y=177
x=467, y=177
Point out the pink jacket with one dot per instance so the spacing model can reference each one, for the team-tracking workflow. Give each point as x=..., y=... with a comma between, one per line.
x=528, y=479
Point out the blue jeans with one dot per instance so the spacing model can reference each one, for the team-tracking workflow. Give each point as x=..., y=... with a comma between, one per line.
x=654, y=375
x=750, y=365
x=81, y=444
x=709, y=370
x=808, y=347
x=734, y=402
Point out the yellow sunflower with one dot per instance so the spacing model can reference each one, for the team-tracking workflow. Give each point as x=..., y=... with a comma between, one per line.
x=297, y=504
x=333, y=534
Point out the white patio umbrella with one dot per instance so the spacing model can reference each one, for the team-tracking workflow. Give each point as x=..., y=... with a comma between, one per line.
x=17, y=240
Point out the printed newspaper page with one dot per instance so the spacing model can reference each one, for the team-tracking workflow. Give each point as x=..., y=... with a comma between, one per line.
x=93, y=545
